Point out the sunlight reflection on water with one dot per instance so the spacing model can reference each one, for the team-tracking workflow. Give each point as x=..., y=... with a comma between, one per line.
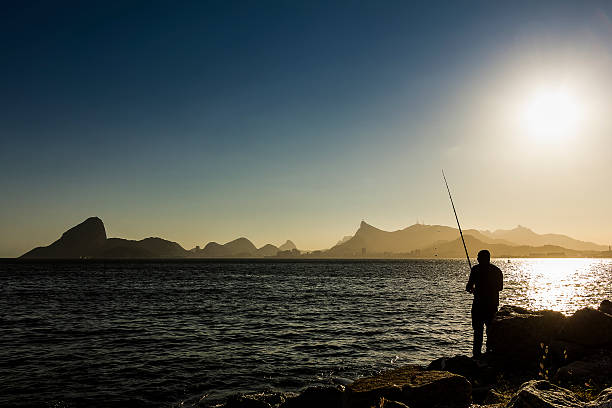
x=564, y=285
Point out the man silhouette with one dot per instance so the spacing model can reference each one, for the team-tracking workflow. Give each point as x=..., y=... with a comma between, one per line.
x=486, y=281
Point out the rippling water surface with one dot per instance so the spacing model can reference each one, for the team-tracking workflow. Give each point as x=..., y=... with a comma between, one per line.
x=162, y=334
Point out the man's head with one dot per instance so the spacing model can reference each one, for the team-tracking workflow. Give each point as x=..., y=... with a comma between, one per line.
x=484, y=256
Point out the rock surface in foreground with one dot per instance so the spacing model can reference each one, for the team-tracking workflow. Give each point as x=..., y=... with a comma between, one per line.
x=603, y=400
x=478, y=373
x=411, y=386
x=542, y=394
x=605, y=306
x=517, y=333
x=549, y=342
x=597, y=366
x=588, y=327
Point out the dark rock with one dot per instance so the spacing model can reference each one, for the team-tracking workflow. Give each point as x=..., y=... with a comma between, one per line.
x=588, y=327
x=412, y=386
x=318, y=396
x=517, y=334
x=494, y=397
x=478, y=372
x=597, y=366
x=565, y=352
x=603, y=400
x=479, y=394
x=606, y=307
x=462, y=365
x=542, y=394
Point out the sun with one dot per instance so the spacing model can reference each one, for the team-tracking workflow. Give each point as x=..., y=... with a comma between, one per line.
x=551, y=114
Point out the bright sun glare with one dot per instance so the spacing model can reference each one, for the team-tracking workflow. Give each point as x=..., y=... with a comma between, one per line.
x=551, y=114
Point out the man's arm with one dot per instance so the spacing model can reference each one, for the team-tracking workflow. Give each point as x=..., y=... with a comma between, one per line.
x=500, y=280
x=470, y=285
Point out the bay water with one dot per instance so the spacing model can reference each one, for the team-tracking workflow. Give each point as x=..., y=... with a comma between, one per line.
x=164, y=334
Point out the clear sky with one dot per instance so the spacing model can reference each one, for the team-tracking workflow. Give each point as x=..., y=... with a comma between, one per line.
x=209, y=120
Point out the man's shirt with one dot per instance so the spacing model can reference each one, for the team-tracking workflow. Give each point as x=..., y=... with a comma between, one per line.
x=487, y=281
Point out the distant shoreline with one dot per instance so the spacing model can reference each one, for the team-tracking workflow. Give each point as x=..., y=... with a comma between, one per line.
x=256, y=260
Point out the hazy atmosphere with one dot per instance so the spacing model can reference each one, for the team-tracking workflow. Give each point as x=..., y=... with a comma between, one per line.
x=207, y=121
x=298, y=204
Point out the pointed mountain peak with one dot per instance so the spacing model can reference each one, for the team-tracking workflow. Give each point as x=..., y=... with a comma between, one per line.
x=287, y=246
x=365, y=227
x=92, y=229
x=83, y=239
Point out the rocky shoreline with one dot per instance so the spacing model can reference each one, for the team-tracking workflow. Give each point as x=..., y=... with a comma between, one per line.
x=536, y=359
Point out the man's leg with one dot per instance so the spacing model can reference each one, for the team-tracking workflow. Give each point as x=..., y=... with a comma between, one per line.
x=478, y=326
x=487, y=323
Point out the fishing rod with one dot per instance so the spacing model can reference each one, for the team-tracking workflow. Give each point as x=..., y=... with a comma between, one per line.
x=457, y=218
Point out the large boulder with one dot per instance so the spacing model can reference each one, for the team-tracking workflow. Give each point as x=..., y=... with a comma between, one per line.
x=517, y=334
x=597, y=366
x=542, y=394
x=462, y=365
x=478, y=372
x=412, y=386
x=565, y=352
x=588, y=327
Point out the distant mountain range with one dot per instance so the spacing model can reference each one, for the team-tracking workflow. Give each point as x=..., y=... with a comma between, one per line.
x=524, y=236
x=372, y=240
x=240, y=248
x=89, y=240
x=440, y=241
